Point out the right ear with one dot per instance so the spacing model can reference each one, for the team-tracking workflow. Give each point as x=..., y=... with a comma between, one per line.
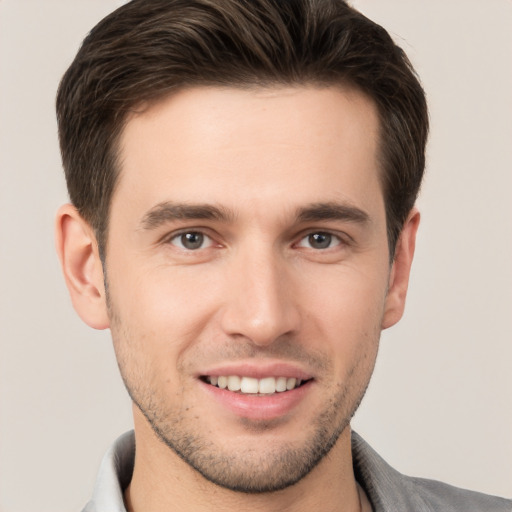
x=81, y=265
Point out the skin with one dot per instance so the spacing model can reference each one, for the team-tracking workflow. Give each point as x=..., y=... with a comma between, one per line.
x=259, y=290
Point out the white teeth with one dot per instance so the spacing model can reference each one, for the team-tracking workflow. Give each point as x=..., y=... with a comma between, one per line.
x=281, y=384
x=290, y=383
x=267, y=385
x=250, y=385
x=234, y=383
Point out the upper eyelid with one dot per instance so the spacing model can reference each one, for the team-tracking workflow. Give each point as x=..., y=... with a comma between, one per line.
x=215, y=237
x=340, y=240
x=172, y=240
x=181, y=231
x=341, y=235
x=207, y=240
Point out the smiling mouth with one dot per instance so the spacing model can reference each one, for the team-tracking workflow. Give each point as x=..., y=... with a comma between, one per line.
x=253, y=386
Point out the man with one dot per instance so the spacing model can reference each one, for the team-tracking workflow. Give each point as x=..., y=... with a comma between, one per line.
x=243, y=178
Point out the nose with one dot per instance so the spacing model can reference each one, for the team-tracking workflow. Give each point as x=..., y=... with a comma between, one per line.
x=259, y=303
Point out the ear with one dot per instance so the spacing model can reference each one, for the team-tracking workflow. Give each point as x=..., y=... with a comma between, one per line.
x=400, y=271
x=79, y=257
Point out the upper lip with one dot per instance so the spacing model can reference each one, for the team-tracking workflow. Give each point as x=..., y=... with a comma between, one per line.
x=258, y=370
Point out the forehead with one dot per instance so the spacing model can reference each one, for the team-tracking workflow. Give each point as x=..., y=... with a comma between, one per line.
x=210, y=144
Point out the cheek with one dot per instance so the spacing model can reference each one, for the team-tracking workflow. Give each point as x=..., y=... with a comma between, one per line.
x=159, y=314
x=344, y=315
x=346, y=293
x=147, y=354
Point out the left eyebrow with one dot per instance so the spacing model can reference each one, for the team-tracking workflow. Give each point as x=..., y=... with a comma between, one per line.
x=169, y=211
x=332, y=211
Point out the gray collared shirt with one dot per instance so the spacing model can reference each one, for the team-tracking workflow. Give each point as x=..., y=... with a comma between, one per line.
x=387, y=489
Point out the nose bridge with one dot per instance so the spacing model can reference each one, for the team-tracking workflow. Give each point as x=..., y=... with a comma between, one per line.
x=259, y=304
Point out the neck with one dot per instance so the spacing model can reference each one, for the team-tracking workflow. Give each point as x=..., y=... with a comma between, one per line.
x=163, y=481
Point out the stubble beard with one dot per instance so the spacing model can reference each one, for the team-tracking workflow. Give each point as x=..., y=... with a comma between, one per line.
x=251, y=471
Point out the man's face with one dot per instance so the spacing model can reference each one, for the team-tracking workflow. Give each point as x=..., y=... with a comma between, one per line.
x=247, y=247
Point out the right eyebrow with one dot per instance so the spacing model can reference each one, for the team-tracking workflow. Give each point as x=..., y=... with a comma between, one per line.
x=169, y=211
x=318, y=212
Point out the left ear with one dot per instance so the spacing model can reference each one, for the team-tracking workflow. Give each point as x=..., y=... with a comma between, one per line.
x=400, y=271
x=78, y=252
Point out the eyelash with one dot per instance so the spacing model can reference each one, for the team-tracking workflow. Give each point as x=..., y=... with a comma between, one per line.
x=180, y=235
x=304, y=237
x=321, y=234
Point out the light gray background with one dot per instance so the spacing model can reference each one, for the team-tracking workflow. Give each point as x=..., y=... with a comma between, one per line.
x=440, y=403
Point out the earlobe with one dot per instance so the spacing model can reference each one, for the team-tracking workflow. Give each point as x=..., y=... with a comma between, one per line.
x=81, y=265
x=400, y=271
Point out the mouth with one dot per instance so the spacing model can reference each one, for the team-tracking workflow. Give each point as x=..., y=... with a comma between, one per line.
x=253, y=386
x=258, y=391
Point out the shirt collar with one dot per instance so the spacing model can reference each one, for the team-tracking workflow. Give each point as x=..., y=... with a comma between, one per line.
x=114, y=476
x=382, y=484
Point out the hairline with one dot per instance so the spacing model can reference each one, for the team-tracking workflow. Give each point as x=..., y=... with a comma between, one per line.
x=142, y=106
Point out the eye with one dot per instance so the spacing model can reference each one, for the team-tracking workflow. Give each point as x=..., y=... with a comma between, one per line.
x=191, y=240
x=319, y=240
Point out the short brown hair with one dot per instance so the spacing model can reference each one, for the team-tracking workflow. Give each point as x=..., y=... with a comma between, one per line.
x=148, y=48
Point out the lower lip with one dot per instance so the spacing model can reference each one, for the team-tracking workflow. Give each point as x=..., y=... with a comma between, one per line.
x=262, y=407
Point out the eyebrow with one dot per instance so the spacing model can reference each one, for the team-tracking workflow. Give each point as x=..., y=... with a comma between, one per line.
x=318, y=212
x=169, y=211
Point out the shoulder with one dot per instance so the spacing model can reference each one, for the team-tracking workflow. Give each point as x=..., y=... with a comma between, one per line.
x=444, y=497
x=389, y=490
x=114, y=476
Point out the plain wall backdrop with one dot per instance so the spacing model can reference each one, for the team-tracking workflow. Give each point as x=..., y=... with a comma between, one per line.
x=440, y=403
